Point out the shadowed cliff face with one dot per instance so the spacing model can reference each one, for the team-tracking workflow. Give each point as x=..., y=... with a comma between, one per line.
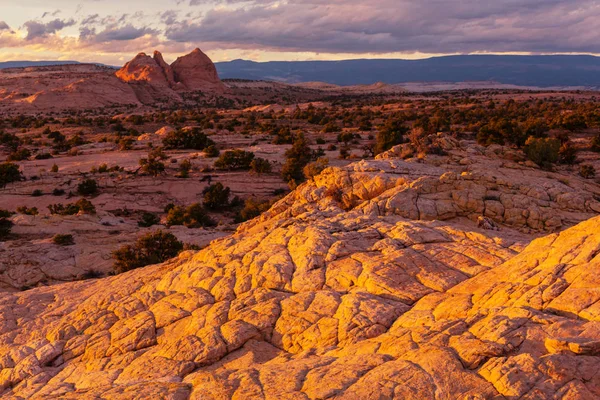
x=347, y=288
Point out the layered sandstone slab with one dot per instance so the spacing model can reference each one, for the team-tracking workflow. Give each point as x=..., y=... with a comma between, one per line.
x=331, y=295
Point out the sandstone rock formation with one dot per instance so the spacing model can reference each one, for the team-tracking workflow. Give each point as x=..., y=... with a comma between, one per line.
x=192, y=72
x=63, y=87
x=342, y=290
x=143, y=80
x=197, y=72
x=145, y=68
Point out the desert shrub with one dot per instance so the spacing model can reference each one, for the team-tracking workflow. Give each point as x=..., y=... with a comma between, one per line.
x=27, y=211
x=320, y=140
x=58, y=192
x=87, y=187
x=344, y=152
x=63, y=239
x=542, y=151
x=587, y=171
x=5, y=227
x=148, y=219
x=43, y=156
x=37, y=193
x=187, y=139
x=346, y=137
x=573, y=122
x=184, y=168
x=596, y=143
x=260, y=166
x=252, y=209
x=216, y=196
x=315, y=168
x=152, y=248
x=389, y=135
x=125, y=144
x=283, y=136
x=297, y=157
x=331, y=127
x=211, y=151
x=567, y=154
x=193, y=216
x=153, y=165
x=9, y=172
x=54, y=168
x=235, y=159
x=12, y=142
x=81, y=205
x=19, y=155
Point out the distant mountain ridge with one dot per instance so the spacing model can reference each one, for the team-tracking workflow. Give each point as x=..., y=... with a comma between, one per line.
x=25, y=64
x=538, y=71
x=541, y=71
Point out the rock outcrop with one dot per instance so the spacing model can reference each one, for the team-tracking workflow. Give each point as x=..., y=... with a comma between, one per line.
x=147, y=69
x=197, y=72
x=193, y=72
x=337, y=292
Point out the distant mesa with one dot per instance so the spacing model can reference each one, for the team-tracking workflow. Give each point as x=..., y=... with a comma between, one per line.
x=191, y=72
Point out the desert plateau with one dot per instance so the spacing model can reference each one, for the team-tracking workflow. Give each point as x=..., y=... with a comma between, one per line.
x=178, y=228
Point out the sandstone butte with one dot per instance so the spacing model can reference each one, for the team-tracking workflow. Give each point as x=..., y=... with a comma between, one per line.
x=194, y=71
x=374, y=281
x=143, y=80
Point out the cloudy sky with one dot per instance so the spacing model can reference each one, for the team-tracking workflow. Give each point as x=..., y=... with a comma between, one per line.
x=112, y=31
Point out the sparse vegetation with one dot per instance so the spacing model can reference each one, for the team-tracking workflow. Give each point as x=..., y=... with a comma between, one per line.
x=152, y=248
x=216, y=196
x=542, y=151
x=234, y=160
x=88, y=187
x=63, y=239
x=9, y=173
x=193, y=216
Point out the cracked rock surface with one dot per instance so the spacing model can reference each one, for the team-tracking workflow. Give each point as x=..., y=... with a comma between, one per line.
x=372, y=282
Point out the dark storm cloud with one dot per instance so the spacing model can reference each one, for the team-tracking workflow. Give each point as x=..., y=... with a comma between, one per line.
x=36, y=29
x=431, y=26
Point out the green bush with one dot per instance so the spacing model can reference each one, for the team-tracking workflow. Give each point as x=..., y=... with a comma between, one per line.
x=81, y=205
x=148, y=219
x=567, y=154
x=9, y=172
x=184, y=168
x=216, y=196
x=587, y=171
x=153, y=248
x=390, y=135
x=260, y=166
x=187, y=139
x=297, y=157
x=252, y=209
x=596, y=143
x=19, y=155
x=211, y=151
x=235, y=159
x=193, y=216
x=63, y=240
x=88, y=187
x=153, y=164
x=542, y=151
x=315, y=168
x=27, y=211
x=5, y=227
